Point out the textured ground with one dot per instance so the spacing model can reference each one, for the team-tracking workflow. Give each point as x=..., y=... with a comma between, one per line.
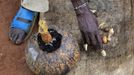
x=115, y=13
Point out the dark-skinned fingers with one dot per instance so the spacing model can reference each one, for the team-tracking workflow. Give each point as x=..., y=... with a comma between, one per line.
x=93, y=39
x=20, y=38
x=87, y=38
x=94, y=18
x=84, y=37
x=99, y=41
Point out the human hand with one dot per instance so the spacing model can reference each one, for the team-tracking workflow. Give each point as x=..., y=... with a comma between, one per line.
x=89, y=27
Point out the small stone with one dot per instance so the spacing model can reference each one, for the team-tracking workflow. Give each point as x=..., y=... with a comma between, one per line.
x=109, y=38
x=103, y=52
x=111, y=31
x=105, y=39
x=93, y=11
x=85, y=47
x=102, y=25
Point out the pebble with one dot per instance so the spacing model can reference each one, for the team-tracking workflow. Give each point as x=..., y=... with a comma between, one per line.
x=111, y=31
x=105, y=39
x=93, y=11
x=85, y=47
x=103, y=52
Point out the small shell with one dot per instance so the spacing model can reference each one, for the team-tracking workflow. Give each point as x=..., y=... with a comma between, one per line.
x=93, y=11
x=105, y=39
x=85, y=47
x=101, y=25
x=103, y=52
x=111, y=31
x=109, y=38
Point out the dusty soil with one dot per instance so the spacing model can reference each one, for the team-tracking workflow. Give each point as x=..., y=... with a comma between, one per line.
x=12, y=61
x=12, y=57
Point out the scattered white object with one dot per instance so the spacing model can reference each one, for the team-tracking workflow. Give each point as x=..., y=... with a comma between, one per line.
x=103, y=52
x=33, y=53
x=93, y=11
x=105, y=39
x=86, y=46
x=109, y=38
x=101, y=25
x=111, y=31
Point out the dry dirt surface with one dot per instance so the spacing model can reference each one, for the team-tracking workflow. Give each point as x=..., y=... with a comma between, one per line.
x=12, y=61
x=115, y=13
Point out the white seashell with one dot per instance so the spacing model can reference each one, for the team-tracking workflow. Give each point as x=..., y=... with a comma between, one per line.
x=101, y=25
x=85, y=47
x=109, y=38
x=111, y=31
x=93, y=11
x=103, y=52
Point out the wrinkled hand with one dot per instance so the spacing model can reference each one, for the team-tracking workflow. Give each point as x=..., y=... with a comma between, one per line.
x=89, y=27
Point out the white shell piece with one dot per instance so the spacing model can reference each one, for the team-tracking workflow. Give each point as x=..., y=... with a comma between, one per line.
x=103, y=52
x=93, y=11
x=111, y=31
x=85, y=47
